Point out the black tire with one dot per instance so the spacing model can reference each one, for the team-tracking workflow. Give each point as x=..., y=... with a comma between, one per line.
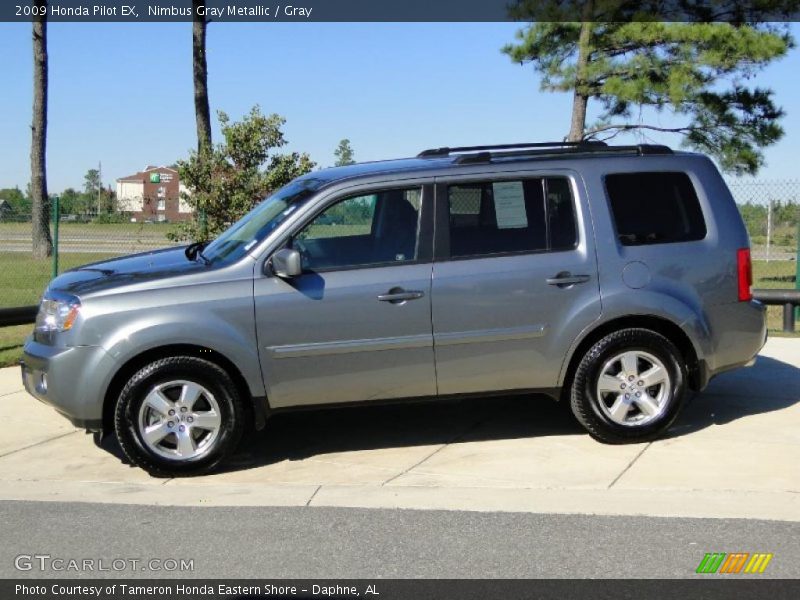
x=584, y=399
x=187, y=368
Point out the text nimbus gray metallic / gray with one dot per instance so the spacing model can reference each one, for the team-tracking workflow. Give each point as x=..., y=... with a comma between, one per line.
x=231, y=10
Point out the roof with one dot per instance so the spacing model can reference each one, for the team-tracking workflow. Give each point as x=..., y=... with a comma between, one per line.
x=140, y=175
x=152, y=168
x=445, y=158
x=332, y=174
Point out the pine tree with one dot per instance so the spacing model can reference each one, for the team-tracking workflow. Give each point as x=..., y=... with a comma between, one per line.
x=344, y=154
x=696, y=70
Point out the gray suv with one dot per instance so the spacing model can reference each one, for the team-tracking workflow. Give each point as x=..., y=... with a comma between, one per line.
x=615, y=278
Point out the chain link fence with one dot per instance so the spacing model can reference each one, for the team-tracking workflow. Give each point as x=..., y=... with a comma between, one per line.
x=771, y=211
x=80, y=240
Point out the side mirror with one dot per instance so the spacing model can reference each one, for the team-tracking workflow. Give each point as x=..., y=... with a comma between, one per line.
x=286, y=263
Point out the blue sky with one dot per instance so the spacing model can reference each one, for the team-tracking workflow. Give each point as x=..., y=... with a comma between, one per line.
x=121, y=94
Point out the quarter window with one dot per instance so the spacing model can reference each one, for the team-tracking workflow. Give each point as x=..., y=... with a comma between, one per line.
x=501, y=217
x=366, y=230
x=655, y=208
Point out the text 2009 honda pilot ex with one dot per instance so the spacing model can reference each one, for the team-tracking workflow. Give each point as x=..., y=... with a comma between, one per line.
x=617, y=278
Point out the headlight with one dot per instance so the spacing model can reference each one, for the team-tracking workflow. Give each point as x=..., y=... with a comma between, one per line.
x=57, y=313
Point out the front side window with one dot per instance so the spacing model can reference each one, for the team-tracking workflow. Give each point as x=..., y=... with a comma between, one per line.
x=501, y=217
x=655, y=208
x=372, y=229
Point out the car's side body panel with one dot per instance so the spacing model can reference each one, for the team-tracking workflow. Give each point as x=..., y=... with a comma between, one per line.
x=482, y=324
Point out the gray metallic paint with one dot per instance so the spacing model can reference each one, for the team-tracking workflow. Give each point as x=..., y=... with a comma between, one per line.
x=485, y=324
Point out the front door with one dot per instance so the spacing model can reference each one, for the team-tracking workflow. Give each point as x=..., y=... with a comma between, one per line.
x=356, y=325
x=515, y=281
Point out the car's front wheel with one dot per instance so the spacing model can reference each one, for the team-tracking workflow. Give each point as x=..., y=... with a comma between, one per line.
x=180, y=415
x=629, y=386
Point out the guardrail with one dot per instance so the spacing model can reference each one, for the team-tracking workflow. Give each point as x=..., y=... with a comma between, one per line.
x=789, y=299
x=19, y=315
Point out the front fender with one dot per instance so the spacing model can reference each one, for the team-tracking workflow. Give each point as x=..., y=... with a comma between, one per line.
x=240, y=349
x=218, y=315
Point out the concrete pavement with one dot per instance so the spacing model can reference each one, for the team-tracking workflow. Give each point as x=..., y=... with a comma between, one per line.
x=734, y=453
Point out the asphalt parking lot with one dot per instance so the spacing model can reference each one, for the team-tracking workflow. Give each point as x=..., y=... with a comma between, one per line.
x=734, y=453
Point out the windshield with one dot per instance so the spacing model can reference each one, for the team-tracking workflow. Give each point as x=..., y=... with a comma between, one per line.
x=240, y=237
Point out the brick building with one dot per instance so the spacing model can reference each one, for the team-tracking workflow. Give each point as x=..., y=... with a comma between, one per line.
x=153, y=194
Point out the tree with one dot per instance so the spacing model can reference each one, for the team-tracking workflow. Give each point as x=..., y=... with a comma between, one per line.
x=92, y=189
x=106, y=201
x=42, y=242
x=237, y=174
x=92, y=183
x=695, y=70
x=200, y=71
x=202, y=110
x=70, y=202
x=16, y=199
x=344, y=154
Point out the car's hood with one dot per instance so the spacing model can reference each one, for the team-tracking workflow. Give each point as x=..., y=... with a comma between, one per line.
x=126, y=270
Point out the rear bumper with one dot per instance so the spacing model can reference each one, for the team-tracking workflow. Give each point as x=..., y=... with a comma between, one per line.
x=70, y=379
x=738, y=331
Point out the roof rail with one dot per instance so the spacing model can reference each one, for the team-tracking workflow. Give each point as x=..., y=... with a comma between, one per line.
x=487, y=153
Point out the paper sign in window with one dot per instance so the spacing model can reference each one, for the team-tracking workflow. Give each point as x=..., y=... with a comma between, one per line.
x=509, y=205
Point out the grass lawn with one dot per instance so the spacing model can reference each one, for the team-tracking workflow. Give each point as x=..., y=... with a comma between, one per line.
x=774, y=274
x=11, y=339
x=23, y=279
x=779, y=274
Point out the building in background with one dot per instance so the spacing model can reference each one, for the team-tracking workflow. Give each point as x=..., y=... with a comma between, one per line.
x=153, y=194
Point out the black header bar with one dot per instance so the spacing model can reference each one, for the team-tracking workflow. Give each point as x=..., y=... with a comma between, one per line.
x=710, y=587
x=401, y=10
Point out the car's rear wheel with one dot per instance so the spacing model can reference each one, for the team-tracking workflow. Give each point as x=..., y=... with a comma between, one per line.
x=179, y=416
x=629, y=386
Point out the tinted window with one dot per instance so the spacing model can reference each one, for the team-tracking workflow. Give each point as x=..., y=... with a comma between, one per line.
x=655, y=208
x=511, y=216
x=362, y=230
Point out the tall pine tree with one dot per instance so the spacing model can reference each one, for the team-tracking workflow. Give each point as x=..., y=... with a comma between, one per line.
x=697, y=70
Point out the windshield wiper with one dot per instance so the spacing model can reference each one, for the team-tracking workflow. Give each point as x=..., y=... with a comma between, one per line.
x=196, y=249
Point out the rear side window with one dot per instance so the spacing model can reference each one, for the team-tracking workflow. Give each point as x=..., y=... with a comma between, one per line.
x=655, y=208
x=502, y=217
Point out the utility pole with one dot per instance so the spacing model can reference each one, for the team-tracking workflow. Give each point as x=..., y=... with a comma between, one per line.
x=99, y=184
x=769, y=227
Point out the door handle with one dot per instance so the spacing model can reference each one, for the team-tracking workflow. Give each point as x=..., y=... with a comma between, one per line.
x=399, y=295
x=566, y=278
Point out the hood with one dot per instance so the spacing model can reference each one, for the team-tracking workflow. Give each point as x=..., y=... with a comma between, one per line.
x=126, y=270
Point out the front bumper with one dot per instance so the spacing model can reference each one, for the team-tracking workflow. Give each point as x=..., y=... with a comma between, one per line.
x=70, y=379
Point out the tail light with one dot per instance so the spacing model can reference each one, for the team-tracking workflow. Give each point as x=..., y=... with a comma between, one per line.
x=744, y=270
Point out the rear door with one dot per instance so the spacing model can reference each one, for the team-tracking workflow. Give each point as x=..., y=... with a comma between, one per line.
x=515, y=280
